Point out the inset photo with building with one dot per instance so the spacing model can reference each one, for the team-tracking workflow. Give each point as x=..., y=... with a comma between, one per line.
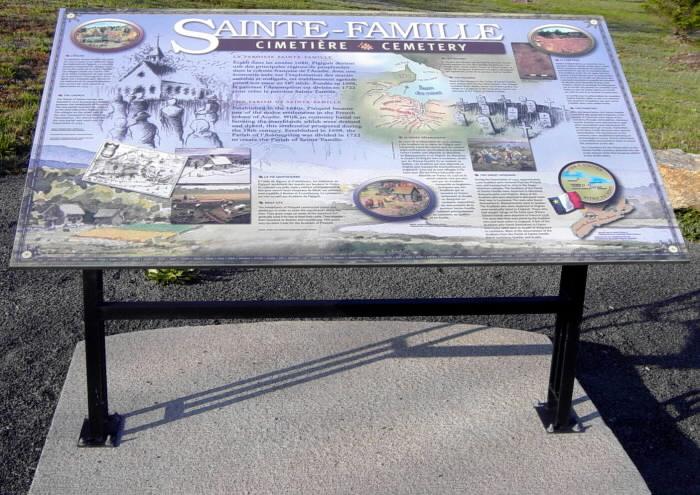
x=216, y=166
x=493, y=155
x=395, y=199
x=216, y=204
x=107, y=35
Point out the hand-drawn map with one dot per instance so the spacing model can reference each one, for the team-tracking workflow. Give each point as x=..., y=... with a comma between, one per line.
x=135, y=169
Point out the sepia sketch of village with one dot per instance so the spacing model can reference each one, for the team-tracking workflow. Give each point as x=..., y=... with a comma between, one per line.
x=202, y=207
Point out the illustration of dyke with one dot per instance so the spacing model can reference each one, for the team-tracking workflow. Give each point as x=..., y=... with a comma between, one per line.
x=217, y=204
x=494, y=155
x=135, y=169
x=394, y=199
x=167, y=101
x=415, y=99
x=592, y=188
x=216, y=166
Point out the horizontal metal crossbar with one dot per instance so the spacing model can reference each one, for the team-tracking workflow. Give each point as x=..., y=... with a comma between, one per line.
x=151, y=310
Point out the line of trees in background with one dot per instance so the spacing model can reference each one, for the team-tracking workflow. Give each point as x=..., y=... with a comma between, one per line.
x=684, y=15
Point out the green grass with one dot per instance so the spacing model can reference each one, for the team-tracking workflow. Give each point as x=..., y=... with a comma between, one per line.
x=172, y=276
x=689, y=222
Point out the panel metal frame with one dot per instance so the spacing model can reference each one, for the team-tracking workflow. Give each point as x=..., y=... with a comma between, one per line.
x=101, y=428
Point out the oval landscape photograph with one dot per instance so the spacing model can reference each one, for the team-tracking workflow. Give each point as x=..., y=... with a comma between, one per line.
x=107, y=35
x=563, y=40
x=594, y=183
x=394, y=199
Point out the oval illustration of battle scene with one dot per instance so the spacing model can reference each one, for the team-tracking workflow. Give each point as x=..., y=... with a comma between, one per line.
x=594, y=183
x=394, y=199
x=107, y=35
x=562, y=40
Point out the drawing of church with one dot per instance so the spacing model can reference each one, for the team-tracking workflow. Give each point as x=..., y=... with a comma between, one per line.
x=157, y=80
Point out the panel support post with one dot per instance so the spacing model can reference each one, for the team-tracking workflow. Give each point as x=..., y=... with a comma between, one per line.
x=99, y=426
x=557, y=413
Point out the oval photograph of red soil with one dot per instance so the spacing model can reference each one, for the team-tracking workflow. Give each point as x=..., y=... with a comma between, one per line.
x=394, y=199
x=107, y=35
x=562, y=40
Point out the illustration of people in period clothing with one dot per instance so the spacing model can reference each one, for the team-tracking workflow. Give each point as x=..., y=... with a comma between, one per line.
x=137, y=103
x=202, y=136
x=143, y=132
x=119, y=130
x=171, y=118
x=210, y=112
x=118, y=108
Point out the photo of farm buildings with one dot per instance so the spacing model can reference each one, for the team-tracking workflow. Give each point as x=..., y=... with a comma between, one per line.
x=61, y=198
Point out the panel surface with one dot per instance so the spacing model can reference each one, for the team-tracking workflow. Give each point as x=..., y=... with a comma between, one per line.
x=195, y=138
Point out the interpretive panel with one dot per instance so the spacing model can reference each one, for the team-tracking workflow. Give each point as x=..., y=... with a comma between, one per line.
x=194, y=138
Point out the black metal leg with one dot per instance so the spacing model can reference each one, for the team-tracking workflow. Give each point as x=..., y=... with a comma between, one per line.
x=557, y=412
x=99, y=425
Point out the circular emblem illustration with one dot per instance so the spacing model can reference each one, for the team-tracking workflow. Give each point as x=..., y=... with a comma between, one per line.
x=394, y=199
x=562, y=40
x=594, y=183
x=107, y=35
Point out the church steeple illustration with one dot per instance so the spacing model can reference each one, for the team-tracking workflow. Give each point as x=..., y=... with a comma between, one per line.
x=156, y=56
x=156, y=77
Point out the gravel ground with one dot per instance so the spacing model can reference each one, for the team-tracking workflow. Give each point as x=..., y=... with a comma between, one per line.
x=639, y=358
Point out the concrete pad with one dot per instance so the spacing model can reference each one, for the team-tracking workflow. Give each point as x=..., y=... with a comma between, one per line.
x=330, y=407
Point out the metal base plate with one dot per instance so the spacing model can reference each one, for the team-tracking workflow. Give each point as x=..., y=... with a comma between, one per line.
x=546, y=415
x=115, y=427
